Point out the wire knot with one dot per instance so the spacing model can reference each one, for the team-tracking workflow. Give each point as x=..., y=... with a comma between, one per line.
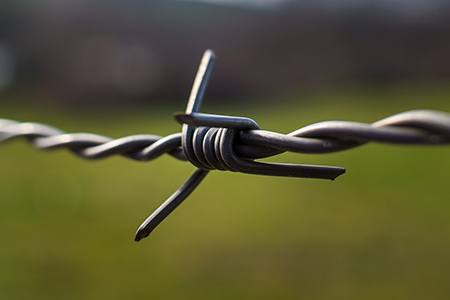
x=211, y=148
x=212, y=142
x=208, y=141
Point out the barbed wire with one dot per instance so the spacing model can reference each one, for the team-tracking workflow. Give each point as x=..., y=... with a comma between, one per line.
x=229, y=143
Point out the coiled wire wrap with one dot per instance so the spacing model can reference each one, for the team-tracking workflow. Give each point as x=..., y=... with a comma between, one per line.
x=227, y=143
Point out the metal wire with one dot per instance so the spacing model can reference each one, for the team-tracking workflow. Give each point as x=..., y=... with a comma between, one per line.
x=228, y=143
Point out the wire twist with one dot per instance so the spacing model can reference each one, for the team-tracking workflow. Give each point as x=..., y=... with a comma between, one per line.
x=228, y=143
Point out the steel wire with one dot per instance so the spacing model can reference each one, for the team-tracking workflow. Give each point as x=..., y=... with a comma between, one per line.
x=420, y=127
x=228, y=143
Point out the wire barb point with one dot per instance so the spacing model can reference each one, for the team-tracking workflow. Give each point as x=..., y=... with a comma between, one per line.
x=170, y=204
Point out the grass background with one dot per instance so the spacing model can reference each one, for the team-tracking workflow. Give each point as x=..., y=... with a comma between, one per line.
x=381, y=231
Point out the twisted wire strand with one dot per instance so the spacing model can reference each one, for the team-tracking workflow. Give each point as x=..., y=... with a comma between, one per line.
x=141, y=147
x=420, y=127
x=417, y=127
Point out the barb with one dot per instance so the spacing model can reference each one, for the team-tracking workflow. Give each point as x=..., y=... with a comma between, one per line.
x=228, y=143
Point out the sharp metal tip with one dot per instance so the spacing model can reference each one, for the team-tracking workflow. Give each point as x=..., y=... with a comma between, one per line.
x=209, y=52
x=170, y=204
x=340, y=172
x=146, y=228
x=140, y=234
x=182, y=118
x=200, y=81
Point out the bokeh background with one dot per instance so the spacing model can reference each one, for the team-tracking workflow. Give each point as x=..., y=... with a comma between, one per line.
x=381, y=231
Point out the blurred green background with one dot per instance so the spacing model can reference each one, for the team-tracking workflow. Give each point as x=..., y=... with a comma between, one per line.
x=380, y=231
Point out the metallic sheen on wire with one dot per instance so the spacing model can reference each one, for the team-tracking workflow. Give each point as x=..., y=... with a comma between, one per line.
x=228, y=143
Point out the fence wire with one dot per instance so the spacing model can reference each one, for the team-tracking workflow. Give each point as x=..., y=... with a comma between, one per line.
x=229, y=143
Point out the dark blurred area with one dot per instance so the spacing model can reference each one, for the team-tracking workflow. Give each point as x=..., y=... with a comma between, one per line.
x=140, y=52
